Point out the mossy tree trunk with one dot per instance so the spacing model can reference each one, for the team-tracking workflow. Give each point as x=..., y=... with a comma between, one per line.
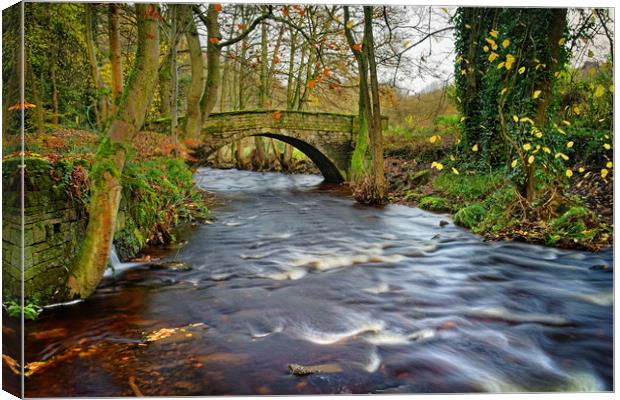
x=92, y=258
x=101, y=110
x=370, y=131
x=115, y=54
x=196, y=87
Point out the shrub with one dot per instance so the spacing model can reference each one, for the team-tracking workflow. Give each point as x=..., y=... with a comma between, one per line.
x=470, y=216
x=433, y=203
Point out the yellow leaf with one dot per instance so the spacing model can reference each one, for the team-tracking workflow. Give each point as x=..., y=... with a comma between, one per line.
x=467, y=26
x=439, y=166
x=581, y=169
x=492, y=56
x=452, y=157
x=509, y=61
x=506, y=43
x=527, y=147
x=538, y=134
x=600, y=90
x=494, y=33
x=350, y=24
x=569, y=173
x=474, y=148
x=486, y=49
x=530, y=159
x=526, y=119
x=565, y=122
x=609, y=164
x=501, y=65
x=455, y=171
x=576, y=110
x=611, y=88
x=515, y=118
x=536, y=94
x=570, y=144
x=564, y=156
x=562, y=41
x=547, y=150
x=434, y=138
x=503, y=91
x=607, y=146
x=462, y=119
x=514, y=163
x=592, y=71
x=521, y=70
x=491, y=42
x=604, y=173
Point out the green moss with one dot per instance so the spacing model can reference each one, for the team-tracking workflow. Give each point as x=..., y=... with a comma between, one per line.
x=433, y=203
x=157, y=194
x=470, y=216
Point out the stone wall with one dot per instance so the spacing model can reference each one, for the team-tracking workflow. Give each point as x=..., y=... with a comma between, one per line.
x=53, y=224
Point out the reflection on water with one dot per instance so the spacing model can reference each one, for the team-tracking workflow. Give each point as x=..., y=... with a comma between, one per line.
x=293, y=274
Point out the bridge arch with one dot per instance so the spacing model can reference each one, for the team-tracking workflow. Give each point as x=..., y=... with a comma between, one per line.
x=328, y=168
x=325, y=138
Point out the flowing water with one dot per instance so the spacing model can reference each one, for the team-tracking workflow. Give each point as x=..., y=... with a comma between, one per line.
x=292, y=272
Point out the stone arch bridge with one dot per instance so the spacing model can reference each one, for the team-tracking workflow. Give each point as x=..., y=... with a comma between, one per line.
x=328, y=139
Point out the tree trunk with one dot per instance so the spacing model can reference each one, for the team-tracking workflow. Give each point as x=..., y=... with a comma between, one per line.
x=376, y=133
x=115, y=54
x=173, y=94
x=358, y=159
x=55, y=110
x=209, y=98
x=108, y=166
x=102, y=107
x=165, y=81
x=263, y=86
x=194, y=93
x=38, y=111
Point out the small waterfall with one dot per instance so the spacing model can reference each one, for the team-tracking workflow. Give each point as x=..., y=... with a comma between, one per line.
x=115, y=265
x=115, y=262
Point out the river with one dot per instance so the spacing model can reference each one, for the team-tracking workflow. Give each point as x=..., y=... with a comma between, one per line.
x=293, y=272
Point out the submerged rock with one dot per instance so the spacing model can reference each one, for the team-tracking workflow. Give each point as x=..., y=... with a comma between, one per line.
x=173, y=266
x=299, y=370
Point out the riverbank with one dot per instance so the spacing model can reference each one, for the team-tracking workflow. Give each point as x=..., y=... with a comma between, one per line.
x=489, y=205
x=158, y=194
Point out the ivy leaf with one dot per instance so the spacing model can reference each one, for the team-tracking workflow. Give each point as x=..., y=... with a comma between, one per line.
x=600, y=90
